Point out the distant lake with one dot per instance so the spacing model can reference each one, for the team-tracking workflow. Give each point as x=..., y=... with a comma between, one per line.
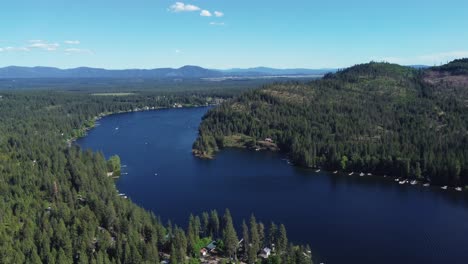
x=345, y=219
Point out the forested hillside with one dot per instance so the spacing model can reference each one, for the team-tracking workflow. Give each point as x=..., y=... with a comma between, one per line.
x=57, y=204
x=378, y=118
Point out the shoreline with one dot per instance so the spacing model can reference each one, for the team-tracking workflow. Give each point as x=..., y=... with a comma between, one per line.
x=98, y=117
x=399, y=180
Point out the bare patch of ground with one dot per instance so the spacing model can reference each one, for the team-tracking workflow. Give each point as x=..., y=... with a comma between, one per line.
x=438, y=77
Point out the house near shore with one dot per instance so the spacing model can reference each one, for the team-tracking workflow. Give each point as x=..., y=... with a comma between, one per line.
x=269, y=140
x=211, y=246
x=265, y=253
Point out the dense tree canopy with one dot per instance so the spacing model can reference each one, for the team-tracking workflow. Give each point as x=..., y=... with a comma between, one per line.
x=377, y=117
x=57, y=203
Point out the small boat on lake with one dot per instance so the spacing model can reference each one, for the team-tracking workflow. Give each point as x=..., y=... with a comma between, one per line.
x=402, y=182
x=458, y=189
x=350, y=174
x=427, y=184
x=317, y=170
x=335, y=172
x=414, y=182
x=369, y=174
x=444, y=187
x=361, y=174
x=397, y=179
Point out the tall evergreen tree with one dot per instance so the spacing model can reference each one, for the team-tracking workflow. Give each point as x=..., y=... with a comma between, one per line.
x=229, y=235
x=214, y=224
x=282, y=240
x=272, y=234
x=254, y=240
x=245, y=235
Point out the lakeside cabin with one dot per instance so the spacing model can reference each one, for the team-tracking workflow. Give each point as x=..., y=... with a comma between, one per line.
x=265, y=253
x=269, y=140
x=211, y=246
x=208, y=249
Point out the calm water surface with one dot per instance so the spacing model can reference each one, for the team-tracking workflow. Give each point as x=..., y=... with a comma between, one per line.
x=344, y=219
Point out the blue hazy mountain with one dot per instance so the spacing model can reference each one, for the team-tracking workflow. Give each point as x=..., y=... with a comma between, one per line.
x=272, y=71
x=159, y=73
x=86, y=72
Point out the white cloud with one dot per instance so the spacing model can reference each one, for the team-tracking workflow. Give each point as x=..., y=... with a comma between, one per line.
x=15, y=49
x=205, y=13
x=217, y=23
x=75, y=50
x=427, y=59
x=72, y=42
x=39, y=44
x=181, y=7
x=178, y=51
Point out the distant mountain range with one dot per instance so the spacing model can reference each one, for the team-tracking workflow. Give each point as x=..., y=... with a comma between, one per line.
x=85, y=72
x=273, y=71
x=185, y=72
x=188, y=72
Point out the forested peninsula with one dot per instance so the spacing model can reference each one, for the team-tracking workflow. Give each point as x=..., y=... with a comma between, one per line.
x=377, y=118
x=58, y=204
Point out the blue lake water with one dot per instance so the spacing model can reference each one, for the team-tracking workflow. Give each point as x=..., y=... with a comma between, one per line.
x=345, y=219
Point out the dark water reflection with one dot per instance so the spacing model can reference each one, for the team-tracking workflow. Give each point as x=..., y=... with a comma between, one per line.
x=345, y=219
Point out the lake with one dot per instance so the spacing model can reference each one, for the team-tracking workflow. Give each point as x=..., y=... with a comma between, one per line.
x=345, y=219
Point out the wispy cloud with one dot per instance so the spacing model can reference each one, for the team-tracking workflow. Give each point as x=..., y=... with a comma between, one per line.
x=14, y=49
x=426, y=59
x=43, y=45
x=181, y=7
x=37, y=44
x=75, y=50
x=217, y=23
x=178, y=51
x=205, y=13
x=72, y=42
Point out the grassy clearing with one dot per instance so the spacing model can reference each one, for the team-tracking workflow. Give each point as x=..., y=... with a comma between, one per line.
x=237, y=141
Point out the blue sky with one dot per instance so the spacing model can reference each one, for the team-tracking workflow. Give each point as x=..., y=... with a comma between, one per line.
x=230, y=33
